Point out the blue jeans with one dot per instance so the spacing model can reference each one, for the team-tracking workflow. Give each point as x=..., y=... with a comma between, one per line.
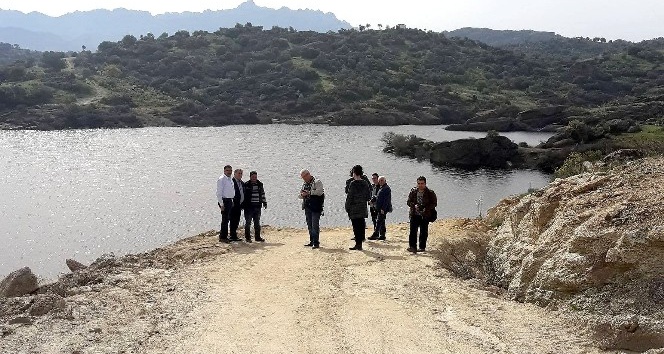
x=313, y=224
x=380, y=225
x=252, y=212
x=225, y=217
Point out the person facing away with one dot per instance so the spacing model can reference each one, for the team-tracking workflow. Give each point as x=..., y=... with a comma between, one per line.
x=422, y=202
x=313, y=199
x=357, y=197
x=254, y=194
x=375, y=186
x=383, y=206
x=225, y=195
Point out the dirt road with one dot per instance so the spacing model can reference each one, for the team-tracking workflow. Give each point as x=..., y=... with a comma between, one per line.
x=281, y=297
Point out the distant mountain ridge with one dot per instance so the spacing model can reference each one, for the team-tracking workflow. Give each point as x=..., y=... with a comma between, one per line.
x=37, y=31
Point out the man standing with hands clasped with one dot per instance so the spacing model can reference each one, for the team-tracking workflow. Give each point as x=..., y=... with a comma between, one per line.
x=238, y=203
x=422, y=202
x=225, y=195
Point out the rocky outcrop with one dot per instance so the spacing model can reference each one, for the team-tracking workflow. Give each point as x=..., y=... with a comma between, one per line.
x=490, y=152
x=595, y=242
x=18, y=283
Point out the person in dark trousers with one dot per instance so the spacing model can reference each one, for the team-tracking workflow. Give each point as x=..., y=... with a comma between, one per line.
x=254, y=194
x=357, y=197
x=383, y=206
x=225, y=195
x=372, y=204
x=238, y=203
x=422, y=202
x=313, y=201
x=348, y=181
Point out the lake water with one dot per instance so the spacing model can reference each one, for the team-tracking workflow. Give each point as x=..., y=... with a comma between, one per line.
x=82, y=193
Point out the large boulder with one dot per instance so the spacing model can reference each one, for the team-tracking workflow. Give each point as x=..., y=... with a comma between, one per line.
x=20, y=282
x=45, y=303
x=490, y=152
x=74, y=265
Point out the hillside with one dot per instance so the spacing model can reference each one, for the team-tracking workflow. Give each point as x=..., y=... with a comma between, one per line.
x=247, y=74
x=10, y=53
x=71, y=31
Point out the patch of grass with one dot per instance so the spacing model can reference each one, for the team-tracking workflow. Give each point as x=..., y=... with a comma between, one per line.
x=650, y=139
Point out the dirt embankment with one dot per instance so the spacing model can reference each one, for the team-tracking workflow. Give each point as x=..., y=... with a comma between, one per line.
x=591, y=245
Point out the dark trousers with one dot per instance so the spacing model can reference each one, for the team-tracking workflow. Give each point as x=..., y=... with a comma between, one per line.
x=252, y=213
x=359, y=227
x=313, y=224
x=380, y=225
x=417, y=222
x=236, y=212
x=225, y=217
x=374, y=220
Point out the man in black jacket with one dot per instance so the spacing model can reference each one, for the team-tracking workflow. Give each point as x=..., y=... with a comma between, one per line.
x=254, y=198
x=238, y=202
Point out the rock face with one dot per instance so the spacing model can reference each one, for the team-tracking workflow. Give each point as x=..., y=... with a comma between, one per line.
x=596, y=240
x=18, y=283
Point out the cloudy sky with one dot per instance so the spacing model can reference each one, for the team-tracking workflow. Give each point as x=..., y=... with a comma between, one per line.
x=632, y=20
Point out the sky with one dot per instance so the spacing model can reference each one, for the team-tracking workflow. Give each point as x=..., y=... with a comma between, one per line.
x=633, y=20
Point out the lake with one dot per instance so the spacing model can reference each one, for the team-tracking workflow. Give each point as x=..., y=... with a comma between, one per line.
x=82, y=193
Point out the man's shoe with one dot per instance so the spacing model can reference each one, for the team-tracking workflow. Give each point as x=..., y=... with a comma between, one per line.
x=234, y=239
x=224, y=240
x=373, y=238
x=356, y=248
x=412, y=249
x=260, y=239
x=248, y=240
x=382, y=238
x=421, y=250
x=315, y=246
x=309, y=244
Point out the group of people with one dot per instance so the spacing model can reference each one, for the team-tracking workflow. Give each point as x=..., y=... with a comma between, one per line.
x=235, y=196
x=363, y=198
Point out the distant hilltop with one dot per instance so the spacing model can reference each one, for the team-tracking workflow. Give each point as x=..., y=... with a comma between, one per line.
x=41, y=32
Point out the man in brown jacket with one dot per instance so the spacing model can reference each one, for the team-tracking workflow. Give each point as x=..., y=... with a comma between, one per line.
x=422, y=202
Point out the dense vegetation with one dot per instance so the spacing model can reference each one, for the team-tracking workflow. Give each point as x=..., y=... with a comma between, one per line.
x=247, y=74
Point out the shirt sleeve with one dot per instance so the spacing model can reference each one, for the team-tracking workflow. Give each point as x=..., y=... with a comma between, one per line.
x=220, y=190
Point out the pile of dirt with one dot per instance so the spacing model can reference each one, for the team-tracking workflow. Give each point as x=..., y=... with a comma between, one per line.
x=591, y=244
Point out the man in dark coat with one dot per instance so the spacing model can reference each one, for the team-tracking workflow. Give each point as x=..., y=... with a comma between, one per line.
x=422, y=202
x=238, y=202
x=357, y=197
x=383, y=206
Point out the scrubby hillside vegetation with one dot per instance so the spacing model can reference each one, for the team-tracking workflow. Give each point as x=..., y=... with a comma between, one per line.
x=248, y=74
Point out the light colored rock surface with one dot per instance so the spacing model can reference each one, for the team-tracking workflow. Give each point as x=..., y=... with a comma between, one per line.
x=18, y=283
x=594, y=242
x=200, y=296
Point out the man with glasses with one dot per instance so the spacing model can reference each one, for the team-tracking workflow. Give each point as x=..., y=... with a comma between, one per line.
x=238, y=203
x=225, y=195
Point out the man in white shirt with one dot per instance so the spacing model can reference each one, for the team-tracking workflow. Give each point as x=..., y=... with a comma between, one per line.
x=225, y=195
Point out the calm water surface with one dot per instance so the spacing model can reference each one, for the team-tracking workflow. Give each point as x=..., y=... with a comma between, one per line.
x=82, y=193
